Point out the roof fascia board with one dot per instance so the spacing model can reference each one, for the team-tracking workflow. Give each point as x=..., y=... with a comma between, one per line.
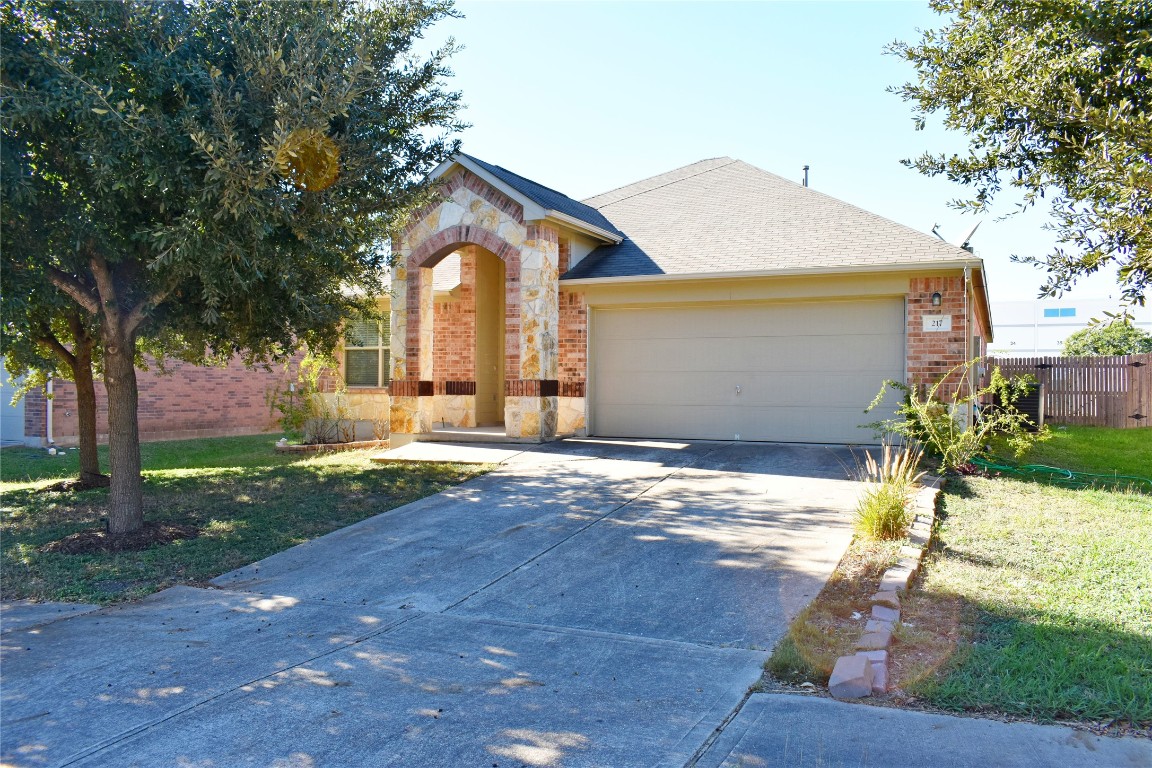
x=582, y=226
x=798, y=271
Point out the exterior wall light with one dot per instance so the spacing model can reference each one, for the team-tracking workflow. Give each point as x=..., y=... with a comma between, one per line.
x=936, y=299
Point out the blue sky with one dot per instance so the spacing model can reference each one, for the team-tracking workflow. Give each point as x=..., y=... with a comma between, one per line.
x=588, y=96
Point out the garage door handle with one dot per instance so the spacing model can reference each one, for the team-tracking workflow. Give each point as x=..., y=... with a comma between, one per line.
x=737, y=389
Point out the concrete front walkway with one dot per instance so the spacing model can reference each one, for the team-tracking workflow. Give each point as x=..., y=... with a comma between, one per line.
x=589, y=603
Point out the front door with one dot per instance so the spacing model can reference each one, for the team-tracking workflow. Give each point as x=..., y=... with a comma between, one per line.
x=489, y=339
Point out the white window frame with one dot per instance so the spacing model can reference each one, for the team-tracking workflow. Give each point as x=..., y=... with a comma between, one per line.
x=383, y=348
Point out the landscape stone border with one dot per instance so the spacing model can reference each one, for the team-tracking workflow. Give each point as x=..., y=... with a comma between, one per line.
x=866, y=671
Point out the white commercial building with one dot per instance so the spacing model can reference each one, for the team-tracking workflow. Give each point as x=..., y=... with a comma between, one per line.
x=1038, y=328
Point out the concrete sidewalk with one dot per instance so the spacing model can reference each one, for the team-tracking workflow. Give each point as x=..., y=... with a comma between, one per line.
x=815, y=732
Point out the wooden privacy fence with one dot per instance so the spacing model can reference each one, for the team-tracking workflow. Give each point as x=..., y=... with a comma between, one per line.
x=1089, y=391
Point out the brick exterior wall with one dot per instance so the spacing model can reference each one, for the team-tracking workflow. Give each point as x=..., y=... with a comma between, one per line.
x=565, y=253
x=190, y=401
x=573, y=339
x=35, y=414
x=932, y=354
x=454, y=324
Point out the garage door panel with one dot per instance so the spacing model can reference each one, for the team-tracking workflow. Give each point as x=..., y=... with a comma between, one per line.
x=795, y=371
x=670, y=421
x=800, y=390
x=867, y=351
x=688, y=388
x=794, y=425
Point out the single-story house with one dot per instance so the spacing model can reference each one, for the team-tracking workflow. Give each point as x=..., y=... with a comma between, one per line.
x=715, y=301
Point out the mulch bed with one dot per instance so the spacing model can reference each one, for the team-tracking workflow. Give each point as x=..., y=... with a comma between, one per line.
x=150, y=535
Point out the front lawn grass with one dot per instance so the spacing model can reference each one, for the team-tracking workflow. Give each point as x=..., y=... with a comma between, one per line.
x=1052, y=588
x=1055, y=590
x=1098, y=450
x=248, y=501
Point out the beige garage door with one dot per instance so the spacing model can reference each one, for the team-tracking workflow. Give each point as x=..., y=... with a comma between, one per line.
x=787, y=371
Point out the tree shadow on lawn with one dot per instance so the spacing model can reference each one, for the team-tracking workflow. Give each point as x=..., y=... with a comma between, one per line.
x=241, y=514
x=1035, y=665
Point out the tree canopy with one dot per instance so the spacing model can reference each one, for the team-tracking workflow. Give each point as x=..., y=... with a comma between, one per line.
x=1116, y=337
x=1056, y=99
x=222, y=175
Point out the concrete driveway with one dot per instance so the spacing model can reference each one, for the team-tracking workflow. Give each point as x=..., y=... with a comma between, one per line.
x=589, y=603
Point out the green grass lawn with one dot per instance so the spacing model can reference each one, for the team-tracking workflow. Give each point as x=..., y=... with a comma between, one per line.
x=1099, y=450
x=1054, y=588
x=248, y=501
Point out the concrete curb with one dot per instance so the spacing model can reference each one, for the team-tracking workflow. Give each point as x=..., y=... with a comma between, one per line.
x=849, y=680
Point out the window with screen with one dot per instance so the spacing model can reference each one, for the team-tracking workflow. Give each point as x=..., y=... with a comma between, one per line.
x=366, y=358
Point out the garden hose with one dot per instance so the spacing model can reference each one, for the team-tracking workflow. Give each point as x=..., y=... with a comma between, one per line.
x=1063, y=477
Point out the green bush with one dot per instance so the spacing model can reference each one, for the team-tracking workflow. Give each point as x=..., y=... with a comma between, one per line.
x=942, y=420
x=883, y=512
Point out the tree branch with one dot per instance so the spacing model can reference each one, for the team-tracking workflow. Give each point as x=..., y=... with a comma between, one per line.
x=75, y=290
x=49, y=340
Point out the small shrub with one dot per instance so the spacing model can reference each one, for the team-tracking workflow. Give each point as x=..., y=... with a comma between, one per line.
x=895, y=465
x=940, y=419
x=882, y=513
x=306, y=414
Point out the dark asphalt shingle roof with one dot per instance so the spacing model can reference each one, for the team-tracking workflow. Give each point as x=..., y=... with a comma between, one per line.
x=547, y=198
x=724, y=215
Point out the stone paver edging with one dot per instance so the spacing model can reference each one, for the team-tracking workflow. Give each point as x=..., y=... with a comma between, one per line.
x=866, y=671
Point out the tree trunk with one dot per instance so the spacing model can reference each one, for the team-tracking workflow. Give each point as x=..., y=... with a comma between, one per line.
x=90, y=474
x=126, y=499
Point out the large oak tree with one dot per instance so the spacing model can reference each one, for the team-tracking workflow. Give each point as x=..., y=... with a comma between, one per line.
x=1056, y=99
x=228, y=172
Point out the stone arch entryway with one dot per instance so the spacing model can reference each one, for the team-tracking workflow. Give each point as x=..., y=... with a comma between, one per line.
x=472, y=218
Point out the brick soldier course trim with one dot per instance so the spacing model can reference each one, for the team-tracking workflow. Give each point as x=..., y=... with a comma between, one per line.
x=572, y=389
x=456, y=388
x=531, y=388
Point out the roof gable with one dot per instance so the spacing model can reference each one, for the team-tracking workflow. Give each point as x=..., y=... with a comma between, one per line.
x=725, y=216
x=549, y=200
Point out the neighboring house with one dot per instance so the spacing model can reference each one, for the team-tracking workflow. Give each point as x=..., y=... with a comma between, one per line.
x=183, y=402
x=716, y=301
x=1039, y=327
x=11, y=414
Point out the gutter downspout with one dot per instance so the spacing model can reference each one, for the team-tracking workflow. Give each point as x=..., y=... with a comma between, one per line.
x=48, y=410
x=974, y=374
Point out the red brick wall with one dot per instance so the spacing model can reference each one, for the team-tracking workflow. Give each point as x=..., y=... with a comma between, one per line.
x=573, y=337
x=565, y=256
x=35, y=414
x=454, y=326
x=190, y=401
x=933, y=354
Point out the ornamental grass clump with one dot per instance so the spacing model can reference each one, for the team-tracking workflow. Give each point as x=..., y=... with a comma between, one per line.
x=883, y=512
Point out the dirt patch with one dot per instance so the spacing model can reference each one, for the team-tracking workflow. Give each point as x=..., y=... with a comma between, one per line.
x=832, y=623
x=931, y=632
x=74, y=485
x=150, y=535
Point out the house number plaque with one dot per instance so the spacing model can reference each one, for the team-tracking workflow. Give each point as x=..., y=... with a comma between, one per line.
x=937, y=323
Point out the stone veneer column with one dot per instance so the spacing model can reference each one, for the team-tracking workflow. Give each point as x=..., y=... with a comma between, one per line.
x=531, y=402
x=411, y=408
